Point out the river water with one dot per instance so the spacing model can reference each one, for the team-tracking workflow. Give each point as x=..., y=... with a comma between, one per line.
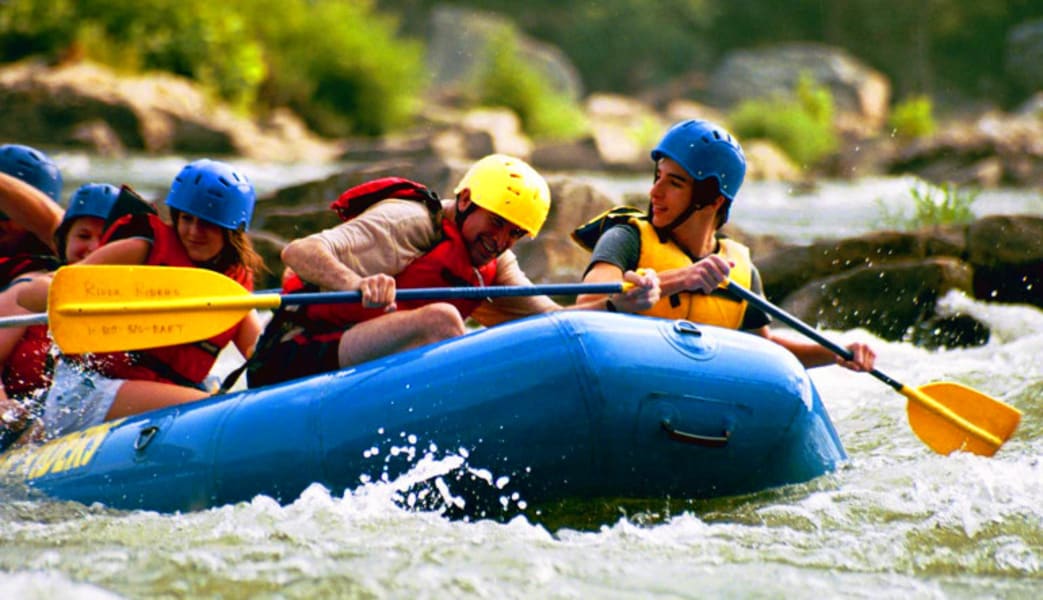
x=896, y=521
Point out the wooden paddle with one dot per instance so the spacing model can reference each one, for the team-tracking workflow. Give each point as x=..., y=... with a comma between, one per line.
x=946, y=416
x=108, y=308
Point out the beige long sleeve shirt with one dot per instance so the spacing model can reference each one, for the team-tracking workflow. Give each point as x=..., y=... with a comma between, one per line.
x=393, y=233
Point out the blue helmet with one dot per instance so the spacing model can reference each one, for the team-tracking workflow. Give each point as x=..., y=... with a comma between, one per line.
x=92, y=200
x=704, y=150
x=214, y=192
x=33, y=167
x=89, y=200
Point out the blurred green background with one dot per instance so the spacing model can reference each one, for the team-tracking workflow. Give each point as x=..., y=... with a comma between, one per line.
x=358, y=67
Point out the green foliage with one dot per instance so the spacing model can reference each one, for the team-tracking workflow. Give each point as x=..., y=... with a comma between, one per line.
x=931, y=206
x=947, y=48
x=31, y=27
x=913, y=118
x=950, y=47
x=628, y=45
x=802, y=126
x=646, y=132
x=509, y=82
x=345, y=65
x=199, y=39
x=617, y=45
x=338, y=64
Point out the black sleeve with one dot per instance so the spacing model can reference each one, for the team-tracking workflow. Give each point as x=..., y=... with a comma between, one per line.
x=619, y=246
x=131, y=226
x=755, y=318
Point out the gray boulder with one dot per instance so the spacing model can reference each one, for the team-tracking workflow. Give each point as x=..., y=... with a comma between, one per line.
x=862, y=94
x=459, y=49
x=1007, y=255
x=1023, y=56
x=84, y=104
x=888, y=299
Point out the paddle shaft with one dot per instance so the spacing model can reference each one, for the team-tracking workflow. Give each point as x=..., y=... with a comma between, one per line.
x=274, y=301
x=470, y=293
x=24, y=320
x=911, y=393
x=805, y=329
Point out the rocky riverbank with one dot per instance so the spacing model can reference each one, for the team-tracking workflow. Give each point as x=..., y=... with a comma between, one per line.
x=887, y=282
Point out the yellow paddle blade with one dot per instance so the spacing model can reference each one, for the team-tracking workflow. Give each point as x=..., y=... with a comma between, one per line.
x=106, y=308
x=950, y=416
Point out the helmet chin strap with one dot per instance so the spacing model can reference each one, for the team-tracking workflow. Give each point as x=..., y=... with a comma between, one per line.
x=461, y=215
x=665, y=231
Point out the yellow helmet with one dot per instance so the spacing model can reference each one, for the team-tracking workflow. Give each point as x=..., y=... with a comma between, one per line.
x=510, y=188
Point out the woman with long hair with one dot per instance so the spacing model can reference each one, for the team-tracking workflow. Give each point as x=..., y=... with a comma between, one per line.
x=211, y=205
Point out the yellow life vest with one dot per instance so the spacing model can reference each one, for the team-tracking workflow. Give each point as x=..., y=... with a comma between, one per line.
x=710, y=309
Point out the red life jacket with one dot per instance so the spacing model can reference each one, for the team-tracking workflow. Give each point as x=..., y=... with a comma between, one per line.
x=19, y=264
x=183, y=364
x=447, y=264
x=29, y=367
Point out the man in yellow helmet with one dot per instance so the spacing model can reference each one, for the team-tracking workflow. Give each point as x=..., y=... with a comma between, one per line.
x=397, y=234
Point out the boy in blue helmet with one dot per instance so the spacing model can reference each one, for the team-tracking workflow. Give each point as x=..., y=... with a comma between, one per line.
x=699, y=168
x=26, y=356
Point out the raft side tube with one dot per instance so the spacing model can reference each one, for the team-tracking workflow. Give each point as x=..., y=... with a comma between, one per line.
x=572, y=404
x=159, y=461
x=511, y=400
x=699, y=411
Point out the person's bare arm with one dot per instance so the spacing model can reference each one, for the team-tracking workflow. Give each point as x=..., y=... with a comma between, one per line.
x=703, y=276
x=129, y=251
x=32, y=296
x=11, y=411
x=246, y=337
x=811, y=354
x=641, y=295
x=314, y=261
x=30, y=208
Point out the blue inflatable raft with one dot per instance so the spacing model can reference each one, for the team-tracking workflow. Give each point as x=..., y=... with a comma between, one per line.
x=570, y=405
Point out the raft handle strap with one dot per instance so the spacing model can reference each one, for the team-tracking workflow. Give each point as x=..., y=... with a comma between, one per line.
x=145, y=437
x=711, y=441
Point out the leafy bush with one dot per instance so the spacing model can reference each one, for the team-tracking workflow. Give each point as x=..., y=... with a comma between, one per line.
x=30, y=28
x=801, y=126
x=913, y=118
x=340, y=65
x=932, y=206
x=510, y=82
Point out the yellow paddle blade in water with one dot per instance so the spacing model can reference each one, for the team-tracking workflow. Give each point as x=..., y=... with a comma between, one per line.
x=105, y=308
x=950, y=416
x=946, y=416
